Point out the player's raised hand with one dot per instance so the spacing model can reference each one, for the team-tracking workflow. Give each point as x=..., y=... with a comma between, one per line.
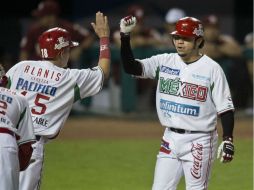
x=101, y=26
x=226, y=151
x=127, y=24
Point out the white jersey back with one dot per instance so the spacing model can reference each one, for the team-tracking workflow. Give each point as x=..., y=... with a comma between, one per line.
x=52, y=90
x=188, y=96
x=15, y=115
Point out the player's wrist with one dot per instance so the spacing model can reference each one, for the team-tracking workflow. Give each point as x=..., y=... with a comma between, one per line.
x=127, y=34
x=227, y=138
x=104, y=48
x=104, y=38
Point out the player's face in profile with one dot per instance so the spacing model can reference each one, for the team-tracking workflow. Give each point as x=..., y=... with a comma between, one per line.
x=184, y=46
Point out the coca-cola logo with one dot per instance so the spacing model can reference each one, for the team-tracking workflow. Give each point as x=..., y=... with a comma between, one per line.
x=197, y=153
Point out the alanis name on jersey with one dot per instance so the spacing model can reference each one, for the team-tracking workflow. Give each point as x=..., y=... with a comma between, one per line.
x=42, y=72
x=38, y=80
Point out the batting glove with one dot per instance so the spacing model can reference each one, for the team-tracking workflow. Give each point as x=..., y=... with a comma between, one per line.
x=127, y=24
x=226, y=150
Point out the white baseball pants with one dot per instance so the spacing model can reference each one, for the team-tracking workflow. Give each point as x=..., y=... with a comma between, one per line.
x=9, y=163
x=190, y=155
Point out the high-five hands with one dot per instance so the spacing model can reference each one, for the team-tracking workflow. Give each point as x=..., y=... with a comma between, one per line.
x=127, y=24
x=101, y=26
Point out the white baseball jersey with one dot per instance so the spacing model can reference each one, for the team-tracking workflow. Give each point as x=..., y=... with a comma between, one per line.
x=15, y=116
x=189, y=96
x=52, y=90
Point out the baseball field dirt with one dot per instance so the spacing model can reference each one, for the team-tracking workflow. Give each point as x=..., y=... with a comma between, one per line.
x=115, y=128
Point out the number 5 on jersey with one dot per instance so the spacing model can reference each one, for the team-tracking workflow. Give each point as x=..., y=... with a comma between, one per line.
x=38, y=102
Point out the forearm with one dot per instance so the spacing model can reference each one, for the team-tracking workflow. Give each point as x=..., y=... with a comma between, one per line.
x=130, y=65
x=104, y=59
x=227, y=122
x=101, y=28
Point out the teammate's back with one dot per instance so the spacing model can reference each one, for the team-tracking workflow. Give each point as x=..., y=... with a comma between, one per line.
x=16, y=136
x=13, y=109
x=52, y=90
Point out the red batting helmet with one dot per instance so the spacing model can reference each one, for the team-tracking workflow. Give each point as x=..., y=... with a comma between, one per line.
x=189, y=27
x=53, y=41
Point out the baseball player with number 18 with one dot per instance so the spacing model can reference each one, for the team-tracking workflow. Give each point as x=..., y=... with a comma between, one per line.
x=192, y=91
x=51, y=89
x=16, y=135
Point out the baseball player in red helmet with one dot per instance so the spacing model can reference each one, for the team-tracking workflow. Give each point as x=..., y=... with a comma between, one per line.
x=192, y=91
x=51, y=89
x=16, y=135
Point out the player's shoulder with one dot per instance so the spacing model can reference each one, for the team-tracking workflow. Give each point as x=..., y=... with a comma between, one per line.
x=24, y=62
x=211, y=63
x=169, y=57
x=69, y=73
x=13, y=94
x=165, y=55
x=75, y=72
x=159, y=58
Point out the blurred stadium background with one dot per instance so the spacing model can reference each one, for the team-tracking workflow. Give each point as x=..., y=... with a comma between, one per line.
x=123, y=94
x=110, y=141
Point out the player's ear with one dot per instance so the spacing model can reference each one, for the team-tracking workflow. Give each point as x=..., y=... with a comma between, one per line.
x=173, y=41
x=62, y=54
x=200, y=42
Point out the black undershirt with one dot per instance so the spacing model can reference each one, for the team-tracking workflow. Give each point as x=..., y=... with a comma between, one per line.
x=227, y=122
x=130, y=65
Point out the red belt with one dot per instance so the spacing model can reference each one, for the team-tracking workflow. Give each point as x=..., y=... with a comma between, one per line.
x=8, y=131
